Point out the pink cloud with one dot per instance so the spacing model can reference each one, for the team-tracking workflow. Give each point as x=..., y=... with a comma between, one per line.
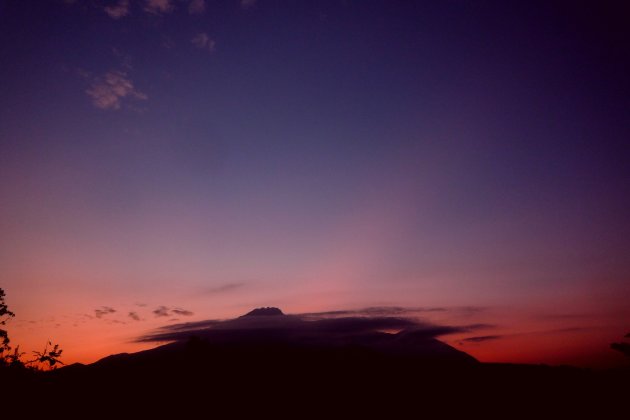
x=107, y=92
x=158, y=6
x=118, y=10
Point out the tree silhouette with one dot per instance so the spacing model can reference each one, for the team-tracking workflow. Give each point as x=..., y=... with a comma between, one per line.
x=5, y=315
x=49, y=357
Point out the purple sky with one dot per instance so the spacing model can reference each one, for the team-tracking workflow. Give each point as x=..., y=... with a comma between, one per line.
x=215, y=156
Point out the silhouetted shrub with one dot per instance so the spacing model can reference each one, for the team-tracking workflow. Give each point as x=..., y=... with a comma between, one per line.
x=46, y=359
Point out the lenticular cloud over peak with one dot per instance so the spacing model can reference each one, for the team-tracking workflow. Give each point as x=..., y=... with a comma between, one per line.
x=269, y=325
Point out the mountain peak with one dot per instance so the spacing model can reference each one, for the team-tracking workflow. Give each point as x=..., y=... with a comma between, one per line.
x=266, y=311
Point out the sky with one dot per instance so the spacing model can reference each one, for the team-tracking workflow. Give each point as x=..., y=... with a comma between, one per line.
x=166, y=161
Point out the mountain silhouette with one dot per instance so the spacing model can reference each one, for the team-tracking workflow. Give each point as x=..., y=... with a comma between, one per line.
x=266, y=311
x=269, y=364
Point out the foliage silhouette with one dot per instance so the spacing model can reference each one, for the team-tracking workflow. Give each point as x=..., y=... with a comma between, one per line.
x=5, y=315
x=50, y=357
x=46, y=359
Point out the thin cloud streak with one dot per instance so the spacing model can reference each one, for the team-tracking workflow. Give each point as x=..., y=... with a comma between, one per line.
x=481, y=338
x=118, y=10
x=323, y=323
x=159, y=6
x=224, y=288
x=164, y=311
x=623, y=348
x=183, y=312
x=376, y=311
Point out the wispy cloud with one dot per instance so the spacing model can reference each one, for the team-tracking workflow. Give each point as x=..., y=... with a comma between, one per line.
x=481, y=338
x=118, y=10
x=184, y=312
x=158, y=6
x=107, y=92
x=161, y=311
x=164, y=311
x=134, y=316
x=196, y=7
x=247, y=4
x=287, y=324
x=624, y=348
x=103, y=310
x=228, y=287
x=562, y=316
x=326, y=323
x=374, y=311
x=203, y=41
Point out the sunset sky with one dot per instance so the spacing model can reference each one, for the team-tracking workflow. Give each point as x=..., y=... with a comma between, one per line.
x=165, y=161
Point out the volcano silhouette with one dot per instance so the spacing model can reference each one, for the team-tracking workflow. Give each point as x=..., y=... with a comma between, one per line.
x=270, y=364
x=267, y=311
x=268, y=330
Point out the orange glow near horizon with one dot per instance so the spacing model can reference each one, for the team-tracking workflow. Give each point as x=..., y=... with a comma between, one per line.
x=522, y=336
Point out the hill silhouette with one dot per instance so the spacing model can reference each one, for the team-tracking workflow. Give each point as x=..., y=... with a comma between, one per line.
x=270, y=364
x=268, y=311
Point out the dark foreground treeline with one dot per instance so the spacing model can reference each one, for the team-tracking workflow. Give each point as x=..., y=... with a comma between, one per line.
x=279, y=380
